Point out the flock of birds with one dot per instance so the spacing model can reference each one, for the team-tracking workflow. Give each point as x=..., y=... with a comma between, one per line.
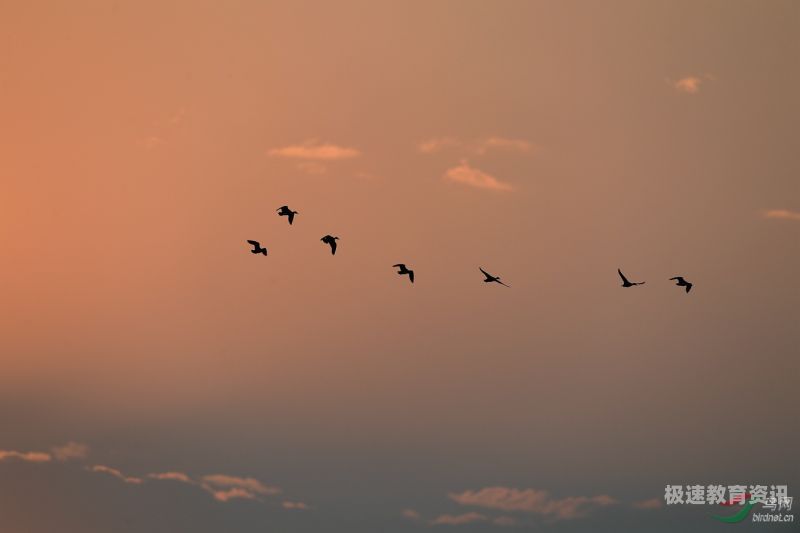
x=403, y=270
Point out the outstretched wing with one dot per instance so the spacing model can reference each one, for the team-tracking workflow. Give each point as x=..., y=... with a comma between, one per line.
x=688, y=287
x=399, y=265
x=624, y=279
x=411, y=275
x=485, y=273
x=254, y=243
x=679, y=279
x=503, y=284
x=291, y=217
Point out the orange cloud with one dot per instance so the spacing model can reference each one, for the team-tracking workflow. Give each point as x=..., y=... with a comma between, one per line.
x=311, y=149
x=70, y=450
x=457, y=520
x=431, y=146
x=689, y=84
x=171, y=476
x=532, y=501
x=294, y=505
x=224, y=488
x=501, y=143
x=782, y=214
x=473, y=177
x=116, y=473
x=653, y=503
x=30, y=457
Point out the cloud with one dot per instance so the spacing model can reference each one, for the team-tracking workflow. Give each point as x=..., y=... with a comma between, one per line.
x=431, y=146
x=411, y=514
x=501, y=143
x=312, y=167
x=505, y=521
x=458, y=520
x=70, y=451
x=286, y=504
x=312, y=149
x=29, y=457
x=652, y=503
x=116, y=473
x=782, y=214
x=224, y=488
x=172, y=476
x=531, y=501
x=475, y=178
x=689, y=84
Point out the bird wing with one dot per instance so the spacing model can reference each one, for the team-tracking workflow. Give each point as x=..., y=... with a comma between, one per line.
x=679, y=279
x=254, y=243
x=333, y=246
x=503, y=284
x=688, y=287
x=411, y=275
x=291, y=217
x=624, y=279
x=485, y=273
x=399, y=265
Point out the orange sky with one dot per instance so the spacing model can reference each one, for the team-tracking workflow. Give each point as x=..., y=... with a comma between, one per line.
x=550, y=143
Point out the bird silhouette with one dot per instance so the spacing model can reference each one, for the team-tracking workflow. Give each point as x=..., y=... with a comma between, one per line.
x=284, y=211
x=625, y=282
x=405, y=270
x=490, y=278
x=682, y=283
x=330, y=239
x=257, y=249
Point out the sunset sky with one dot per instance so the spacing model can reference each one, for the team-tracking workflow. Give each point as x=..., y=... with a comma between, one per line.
x=157, y=377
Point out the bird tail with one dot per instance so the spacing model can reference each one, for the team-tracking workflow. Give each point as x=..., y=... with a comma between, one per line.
x=264, y=251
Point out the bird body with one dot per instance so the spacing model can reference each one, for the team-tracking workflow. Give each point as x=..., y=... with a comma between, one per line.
x=625, y=282
x=490, y=278
x=404, y=270
x=257, y=248
x=331, y=240
x=682, y=283
x=284, y=211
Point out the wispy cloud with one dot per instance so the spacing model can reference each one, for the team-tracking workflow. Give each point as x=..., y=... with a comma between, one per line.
x=411, y=514
x=312, y=167
x=458, y=520
x=531, y=501
x=29, y=457
x=652, y=503
x=432, y=146
x=690, y=84
x=300, y=506
x=116, y=473
x=782, y=214
x=314, y=150
x=504, y=144
x=70, y=451
x=474, y=177
x=225, y=488
x=172, y=476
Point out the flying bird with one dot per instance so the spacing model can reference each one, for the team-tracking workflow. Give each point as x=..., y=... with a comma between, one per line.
x=625, y=282
x=682, y=283
x=257, y=249
x=490, y=278
x=330, y=239
x=405, y=270
x=284, y=211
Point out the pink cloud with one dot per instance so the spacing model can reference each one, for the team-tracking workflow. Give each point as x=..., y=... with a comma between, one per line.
x=224, y=488
x=688, y=85
x=458, y=520
x=171, y=476
x=782, y=214
x=312, y=149
x=473, y=177
x=501, y=143
x=116, y=473
x=653, y=503
x=30, y=457
x=70, y=451
x=532, y=501
x=294, y=505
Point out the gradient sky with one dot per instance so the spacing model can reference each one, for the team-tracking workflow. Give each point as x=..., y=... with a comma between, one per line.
x=549, y=142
